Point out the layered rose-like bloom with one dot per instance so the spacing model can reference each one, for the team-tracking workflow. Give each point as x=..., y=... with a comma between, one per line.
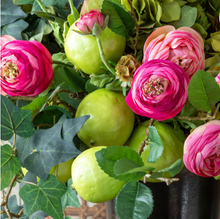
x=202, y=150
x=159, y=90
x=87, y=21
x=183, y=46
x=217, y=78
x=25, y=68
x=5, y=39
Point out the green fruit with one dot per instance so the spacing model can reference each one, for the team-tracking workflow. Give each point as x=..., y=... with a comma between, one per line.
x=62, y=170
x=111, y=120
x=173, y=147
x=83, y=50
x=90, y=181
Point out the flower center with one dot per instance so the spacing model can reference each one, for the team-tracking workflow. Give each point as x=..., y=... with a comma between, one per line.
x=183, y=61
x=9, y=69
x=153, y=87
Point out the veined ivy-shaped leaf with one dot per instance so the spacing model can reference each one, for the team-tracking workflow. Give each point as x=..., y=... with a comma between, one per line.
x=14, y=120
x=45, y=196
x=53, y=146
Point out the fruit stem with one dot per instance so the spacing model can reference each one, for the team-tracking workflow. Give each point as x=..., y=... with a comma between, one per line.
x=145, y=141
x=109, y=67
x=168, y=181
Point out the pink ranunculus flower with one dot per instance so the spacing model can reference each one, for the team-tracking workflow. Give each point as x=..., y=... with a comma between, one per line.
x=202, y=150
x=87, y=21
x=159, y=90
x=5, y=39
x=183, y=46
x=217, y=78
x=25, y=68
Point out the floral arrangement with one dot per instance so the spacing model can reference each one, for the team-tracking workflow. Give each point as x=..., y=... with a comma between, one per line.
x=99, y=97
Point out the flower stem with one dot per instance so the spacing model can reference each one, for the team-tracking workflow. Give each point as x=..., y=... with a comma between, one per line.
x=71, y=6
x=109, y=67
x=146, y=137
x=42, y=6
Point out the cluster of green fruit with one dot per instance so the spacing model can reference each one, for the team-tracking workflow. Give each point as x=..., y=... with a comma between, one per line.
x=111, y=122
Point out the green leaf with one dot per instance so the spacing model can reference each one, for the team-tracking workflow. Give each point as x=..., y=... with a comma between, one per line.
x=10, y=12
x=8, y=161
x=12, y=206
x=72, y=101
x=69, y=76
x=36, y=215
x=135, y=200
x=188, y=17
x=172, y=170
x=6, y=178
x=70, y=197
x=46, y=197
x=120, y=21
x=29, y=177
x=125, y=166
x=90, y=87
x=101, y=80
x=14, y=120
x=60, y=57
x=107, y=157
x=35, y=105
x=203, y=91
x=24, y=2
x=14, y=29
x=53, y=149
x=170, y=12
x=156, y=146
x=57, y=3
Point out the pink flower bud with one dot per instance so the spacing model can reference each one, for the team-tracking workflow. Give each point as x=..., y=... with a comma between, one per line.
x=159, y=90
x=87, y=21
x=183, y=46
x=25, y=68
x=202, y=150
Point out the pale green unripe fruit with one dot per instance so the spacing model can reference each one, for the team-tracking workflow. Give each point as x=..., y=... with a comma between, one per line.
x=111, y=120
x=90, y=181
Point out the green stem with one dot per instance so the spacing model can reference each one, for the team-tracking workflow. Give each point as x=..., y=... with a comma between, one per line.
x=42, y=6
x=31, y=183
x=109, y=67
x=71, y=6
x=61, y=63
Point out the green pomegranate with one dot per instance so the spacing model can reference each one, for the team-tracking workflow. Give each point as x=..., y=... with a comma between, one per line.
x=173, y=147
x=90, y=181
x=111, y=120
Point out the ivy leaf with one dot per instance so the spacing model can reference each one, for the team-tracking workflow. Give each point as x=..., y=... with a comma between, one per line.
x=188, y=17
x=135, y=200
x=125, y=166
x=24, y=148
x=12, y=206
x=120, y=21
x=14, y=29
x=46, y=197
x=14, y=120
x=8, y=161
x=203, y=91
x=70, y=197
x=57, y=3
x=107, y=157
x=37, y=214
x=172, y=170
x=52, y=148
x=156, y=146
x=10, y=12
x=6, y=178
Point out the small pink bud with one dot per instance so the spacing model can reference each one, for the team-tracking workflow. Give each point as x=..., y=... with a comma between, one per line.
x=87, y=21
